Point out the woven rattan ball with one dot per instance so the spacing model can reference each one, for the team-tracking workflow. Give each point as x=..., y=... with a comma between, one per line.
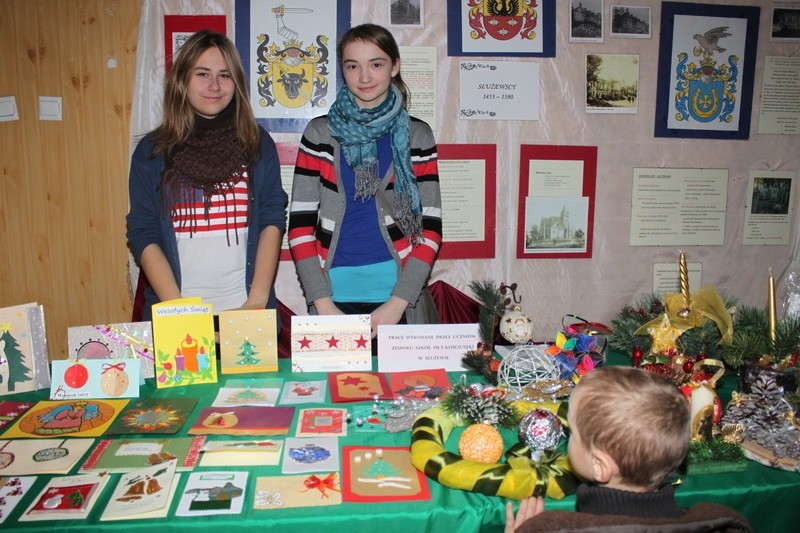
x=525, y=364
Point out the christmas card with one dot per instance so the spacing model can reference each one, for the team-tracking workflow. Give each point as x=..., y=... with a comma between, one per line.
x=24, y=362
x=248, y=341
x=262, y=452
x=419, y=384
x=95, y=378
x=153, y=416
x=126, y=455
x=183, y=337
x=243, y=421
x=213, y=493
x=12, y=490
x=66, y=498
x=330, y=343
x=284, y=492
x=322, y=422
x=358, y=387
x=10, y=411
x=373, y=474
x=316, y=454
x=68, y=418
x=254, y=383
x=41, y=456
x=143, y=493
x=232, y=397
x=126, y=340
x=303, y=392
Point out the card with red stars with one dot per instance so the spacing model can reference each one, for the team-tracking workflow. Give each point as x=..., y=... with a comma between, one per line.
x=358, y=387
x=331, y=343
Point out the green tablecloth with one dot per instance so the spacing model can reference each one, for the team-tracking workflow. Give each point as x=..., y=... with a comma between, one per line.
x=765, y=495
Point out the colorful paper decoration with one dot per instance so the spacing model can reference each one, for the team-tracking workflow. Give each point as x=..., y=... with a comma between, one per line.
x=243, y=421
x=248, y=341
x=66, y=498
x=373, y=474
x=126, y=340
x=304, y=392
x=358, y=387
x=153, y=416
x=310, y=454
x=320, y=422
x=126, y=455
x=183, y=334
x=24, y=363
x=145, y=493
x=95, y=378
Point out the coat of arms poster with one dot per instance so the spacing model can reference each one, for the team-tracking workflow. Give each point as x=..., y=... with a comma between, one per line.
x=289, y=52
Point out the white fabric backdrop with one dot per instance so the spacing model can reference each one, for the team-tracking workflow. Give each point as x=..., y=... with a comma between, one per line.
x=617, y=274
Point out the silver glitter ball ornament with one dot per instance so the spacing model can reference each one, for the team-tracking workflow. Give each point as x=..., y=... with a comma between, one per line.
x=540, y=429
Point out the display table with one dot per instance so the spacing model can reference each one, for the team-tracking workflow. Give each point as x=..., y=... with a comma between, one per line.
x=765, y=495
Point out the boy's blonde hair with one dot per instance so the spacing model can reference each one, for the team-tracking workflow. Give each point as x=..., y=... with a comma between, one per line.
x=637, y=417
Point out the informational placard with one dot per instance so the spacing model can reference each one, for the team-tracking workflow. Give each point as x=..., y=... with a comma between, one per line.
x=769, y=208
x=666, y=277
x=780, y=99
x=406, y=347
x=499, y=90
x=419, y=73
x=678, y=206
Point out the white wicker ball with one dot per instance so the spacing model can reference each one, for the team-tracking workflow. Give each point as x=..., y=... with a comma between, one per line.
x=525, y=364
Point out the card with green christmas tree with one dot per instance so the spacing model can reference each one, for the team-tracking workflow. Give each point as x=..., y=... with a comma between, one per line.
x=235, y=396
x=372, y=474
x=24, y=363
x=248, y=341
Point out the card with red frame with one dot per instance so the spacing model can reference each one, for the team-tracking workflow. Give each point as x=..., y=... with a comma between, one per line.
x=319, y=422
x=372, y=474
x=420, y=384
x=358, y=387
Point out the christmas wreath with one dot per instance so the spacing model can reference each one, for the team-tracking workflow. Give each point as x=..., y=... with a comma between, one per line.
x=517, y=478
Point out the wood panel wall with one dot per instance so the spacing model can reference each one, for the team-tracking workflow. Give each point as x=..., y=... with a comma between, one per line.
x=63, y=195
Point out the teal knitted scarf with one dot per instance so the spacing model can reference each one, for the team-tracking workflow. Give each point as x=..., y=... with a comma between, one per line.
x=358, y=131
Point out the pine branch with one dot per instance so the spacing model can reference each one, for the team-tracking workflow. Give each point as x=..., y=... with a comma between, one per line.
x=492, y=304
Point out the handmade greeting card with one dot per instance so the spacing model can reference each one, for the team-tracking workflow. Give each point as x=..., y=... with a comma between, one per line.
x=95, y=378
x=144, y=493
x=24, y=363
x=317, y=454
x=320, y=422
x=241, y=453
x=12, y=490
x=183, y=336
x=232, y=397
x=329, y=343
x=153, y=416
x=212, y=493
x=248, y=341
x=243, y=421
x=10, y=411
x=70, y=418
x=381, y=475
x=41, y=456
x=126, y=455
x=358, y=387
x=283, y=492
x=127, y=340
x=254, y=383
x=304, y=392
x=66, y=498
x=419, y=384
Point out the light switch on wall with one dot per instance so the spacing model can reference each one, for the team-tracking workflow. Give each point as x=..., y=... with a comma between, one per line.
x=8, y=109
x=50, y=108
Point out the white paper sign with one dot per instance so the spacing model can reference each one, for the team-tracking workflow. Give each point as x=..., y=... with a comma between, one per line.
x=499, y=90
x=422, y=347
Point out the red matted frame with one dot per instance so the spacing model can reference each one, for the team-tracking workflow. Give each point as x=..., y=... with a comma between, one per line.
x=587, y=154
x=287, y=156
x=483, y=249
x=189, y=24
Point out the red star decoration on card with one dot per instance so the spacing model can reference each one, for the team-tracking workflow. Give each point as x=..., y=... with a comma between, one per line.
x=361, y=342
x=305, y=342
x=352, y=380
x=333, y=342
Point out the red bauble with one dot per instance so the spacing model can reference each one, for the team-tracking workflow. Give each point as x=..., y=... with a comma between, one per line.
x=688, y=366
x=636, y=356
x=76, y=376
x=701, y=356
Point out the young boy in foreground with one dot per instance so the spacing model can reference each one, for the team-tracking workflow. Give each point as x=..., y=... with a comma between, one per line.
x=630, y=430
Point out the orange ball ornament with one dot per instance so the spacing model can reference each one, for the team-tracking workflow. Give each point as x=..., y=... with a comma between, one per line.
x=482, y=443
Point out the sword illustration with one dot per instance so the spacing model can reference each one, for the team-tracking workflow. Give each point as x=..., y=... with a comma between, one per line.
x=282, y=29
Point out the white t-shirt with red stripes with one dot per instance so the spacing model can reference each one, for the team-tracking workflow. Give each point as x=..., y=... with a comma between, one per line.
x=213, y=251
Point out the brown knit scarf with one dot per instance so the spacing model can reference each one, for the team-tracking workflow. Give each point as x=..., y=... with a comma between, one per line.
x=212, y=160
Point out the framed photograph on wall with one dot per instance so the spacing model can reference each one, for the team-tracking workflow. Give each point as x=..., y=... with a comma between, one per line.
x=178, y=28
x=520, y=28
x=706, y=65
x=290, y=57
x=630, y=21
x=556, y=201
x=406, y=13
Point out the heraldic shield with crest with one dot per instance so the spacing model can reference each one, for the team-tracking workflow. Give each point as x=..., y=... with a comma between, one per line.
x=502, y=19
x=289, y=73
x=706, y=91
